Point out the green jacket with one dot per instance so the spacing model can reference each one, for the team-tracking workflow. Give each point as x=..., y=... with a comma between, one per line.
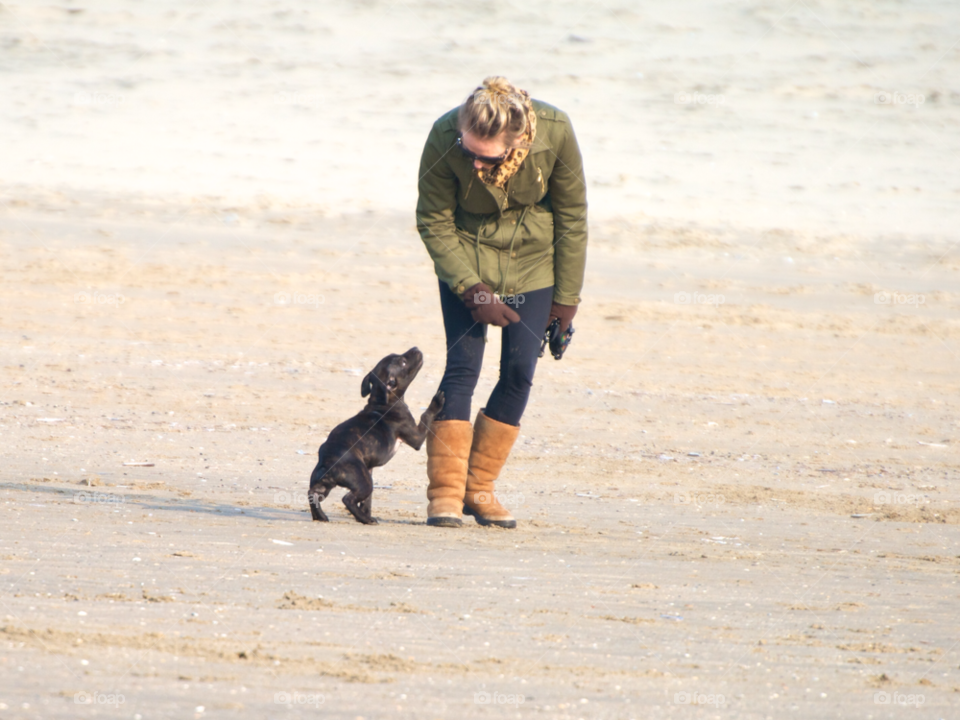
x=471, y=229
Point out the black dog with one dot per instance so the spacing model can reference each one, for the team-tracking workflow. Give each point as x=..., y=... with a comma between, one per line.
x=370, y=438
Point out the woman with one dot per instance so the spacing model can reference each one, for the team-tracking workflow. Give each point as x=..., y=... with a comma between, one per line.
x=503, y=213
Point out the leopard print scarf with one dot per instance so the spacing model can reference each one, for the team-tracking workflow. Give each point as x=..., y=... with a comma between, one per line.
x=499, y=174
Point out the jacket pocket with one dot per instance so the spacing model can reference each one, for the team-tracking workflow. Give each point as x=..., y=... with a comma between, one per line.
x=538, y=227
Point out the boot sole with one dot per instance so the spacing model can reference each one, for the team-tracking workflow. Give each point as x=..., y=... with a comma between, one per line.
x=507, y=524
x=444, y=522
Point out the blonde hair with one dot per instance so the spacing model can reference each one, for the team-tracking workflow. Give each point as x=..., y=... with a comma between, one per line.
x=495, y=107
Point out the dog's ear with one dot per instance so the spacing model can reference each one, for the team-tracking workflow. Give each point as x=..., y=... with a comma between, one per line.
x=374, y=382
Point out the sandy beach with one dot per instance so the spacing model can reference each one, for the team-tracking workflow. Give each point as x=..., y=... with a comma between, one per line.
x=737, y=493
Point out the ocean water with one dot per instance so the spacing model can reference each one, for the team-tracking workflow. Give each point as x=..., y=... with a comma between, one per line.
x=817, y=116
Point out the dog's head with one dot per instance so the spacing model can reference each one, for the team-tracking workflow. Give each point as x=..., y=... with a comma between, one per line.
x=389, y=380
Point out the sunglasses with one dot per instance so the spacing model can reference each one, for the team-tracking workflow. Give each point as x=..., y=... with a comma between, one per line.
x=482, y=158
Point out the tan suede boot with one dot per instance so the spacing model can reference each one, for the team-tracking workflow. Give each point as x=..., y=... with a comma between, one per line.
x=448, y=450
x=492, y=442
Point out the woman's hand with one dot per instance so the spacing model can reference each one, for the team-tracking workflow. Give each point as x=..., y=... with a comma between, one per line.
x=565, y=313
x=487, y=308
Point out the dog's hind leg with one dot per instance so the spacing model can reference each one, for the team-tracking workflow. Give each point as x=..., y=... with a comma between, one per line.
x=320, y=487
x=315, y=497
x=359, y=498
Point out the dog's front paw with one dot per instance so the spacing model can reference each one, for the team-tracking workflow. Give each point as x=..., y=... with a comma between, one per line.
x=436, y=405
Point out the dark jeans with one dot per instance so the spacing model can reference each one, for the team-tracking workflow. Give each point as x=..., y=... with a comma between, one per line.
x=520, y=346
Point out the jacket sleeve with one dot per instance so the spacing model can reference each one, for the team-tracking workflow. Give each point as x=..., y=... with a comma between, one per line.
x=435, y=207
x=568, y=194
